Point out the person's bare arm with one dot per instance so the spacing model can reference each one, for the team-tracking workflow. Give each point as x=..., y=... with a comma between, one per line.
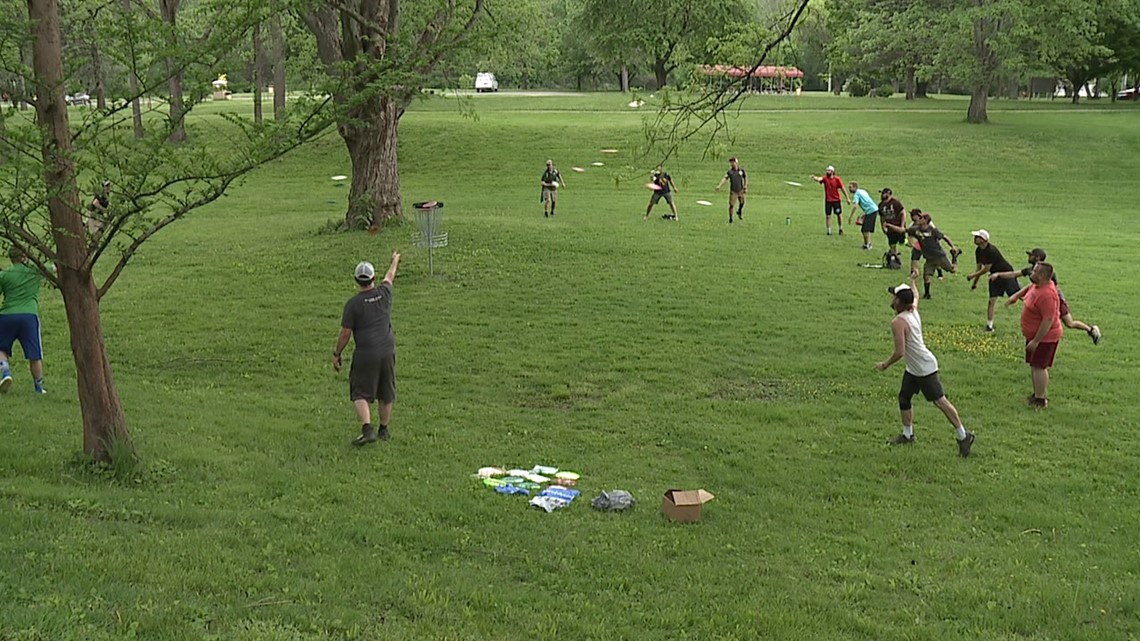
x=721, y=183
x=898, y=330
x=341, y=342
x=1018, y=296
x=997, y=275
x=391, y=275
x=1046, y=325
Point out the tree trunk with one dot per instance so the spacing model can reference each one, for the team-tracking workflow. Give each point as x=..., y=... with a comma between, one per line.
x=910, y=73
x=660, y=73
x=169, y=9
x=177, y=115
x=277, y=40
x=104, y=424
x=97, y=71
x=977, y=111
x=375, y=193
x=258, y=60
x=136, y=108
x=623, y=79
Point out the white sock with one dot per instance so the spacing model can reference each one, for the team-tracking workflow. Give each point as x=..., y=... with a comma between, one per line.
x=908, y=431
x=990, y=324
x=961, y=433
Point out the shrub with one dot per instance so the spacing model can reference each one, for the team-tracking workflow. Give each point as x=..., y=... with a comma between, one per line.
x=857, y=87
x=884, y=91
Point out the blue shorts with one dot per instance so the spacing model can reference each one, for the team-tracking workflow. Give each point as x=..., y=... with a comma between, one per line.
x=24, y=328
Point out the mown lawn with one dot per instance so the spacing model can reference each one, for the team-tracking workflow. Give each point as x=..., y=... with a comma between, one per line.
x=644, y=355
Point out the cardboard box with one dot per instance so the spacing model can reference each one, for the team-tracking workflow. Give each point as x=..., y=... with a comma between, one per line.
x=684, y=506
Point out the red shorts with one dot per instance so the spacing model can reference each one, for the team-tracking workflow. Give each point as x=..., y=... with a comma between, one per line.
x=1064, y=308
x=1042, y=357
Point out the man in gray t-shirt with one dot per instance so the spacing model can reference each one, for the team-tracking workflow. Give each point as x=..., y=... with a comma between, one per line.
x=367, y=320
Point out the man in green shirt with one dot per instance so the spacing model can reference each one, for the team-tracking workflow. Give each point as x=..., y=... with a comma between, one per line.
x=19, y=318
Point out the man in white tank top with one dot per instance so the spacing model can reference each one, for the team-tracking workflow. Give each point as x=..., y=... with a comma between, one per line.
x=921, y=373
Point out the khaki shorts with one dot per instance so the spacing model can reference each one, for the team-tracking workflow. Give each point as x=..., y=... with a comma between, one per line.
x=735, y=198
x=549, y=195
x=933, y=265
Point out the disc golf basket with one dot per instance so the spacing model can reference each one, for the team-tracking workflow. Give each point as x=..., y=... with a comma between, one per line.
x=429, y=219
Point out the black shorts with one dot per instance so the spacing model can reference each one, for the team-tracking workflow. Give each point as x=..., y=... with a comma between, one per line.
x=1004, y=287
x=915, y=254
x=830, y=208
x=896, y=239
x=370, y=379
x=869, y=222
x=929, y=385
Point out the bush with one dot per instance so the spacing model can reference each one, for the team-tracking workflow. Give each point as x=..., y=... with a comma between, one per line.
x=858, y=88
x=884, y=91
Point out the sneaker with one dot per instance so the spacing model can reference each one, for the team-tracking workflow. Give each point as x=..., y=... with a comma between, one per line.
x=840, y=231
x=739, y=216
x=1037, y=403
x=829, y=232
x=902, y=439
x=545, y=215
x=988, y=329
x=382, y=434
x=1095, y=335
x=41, y=390
x=965, y=444
x=926, y=297
x=730, y=220
x=5, y=384
x=869, y=245
x=367, y=435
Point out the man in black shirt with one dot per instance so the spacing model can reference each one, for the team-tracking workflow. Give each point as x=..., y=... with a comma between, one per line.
x=891, y=211
x=738, y=186
x=98, y=209
x=990, y=261
x=367, y=320
x=551, y=183
x=664, y=188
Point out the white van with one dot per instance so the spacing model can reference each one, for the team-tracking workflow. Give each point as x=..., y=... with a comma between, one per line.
x=485, y=81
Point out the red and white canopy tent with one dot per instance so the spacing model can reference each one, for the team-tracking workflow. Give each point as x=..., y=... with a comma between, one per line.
x=764, y=78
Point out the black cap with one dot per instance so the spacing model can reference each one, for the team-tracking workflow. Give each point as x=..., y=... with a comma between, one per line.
x=1037, y=253
x=886, y=190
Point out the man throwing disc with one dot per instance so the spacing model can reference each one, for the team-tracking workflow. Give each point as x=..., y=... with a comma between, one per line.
x=921, y=373
x=832, y=190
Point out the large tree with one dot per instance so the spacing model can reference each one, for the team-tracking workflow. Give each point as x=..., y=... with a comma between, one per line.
x=377, y=54
x=51, y=161
x=666, y=32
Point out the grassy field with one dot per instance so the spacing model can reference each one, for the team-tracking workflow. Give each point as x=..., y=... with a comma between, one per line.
x=645, y=355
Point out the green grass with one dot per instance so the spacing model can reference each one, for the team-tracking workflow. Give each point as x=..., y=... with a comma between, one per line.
x=645, y=355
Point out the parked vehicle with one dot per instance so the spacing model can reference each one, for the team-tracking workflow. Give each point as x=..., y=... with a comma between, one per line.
x=485, y=82
x=78, y=99
x=1129, y=94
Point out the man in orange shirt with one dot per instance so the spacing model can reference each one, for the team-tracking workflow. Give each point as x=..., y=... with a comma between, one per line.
x=1041, y=327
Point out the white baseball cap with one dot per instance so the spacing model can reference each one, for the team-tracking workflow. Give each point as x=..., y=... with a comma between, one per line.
x=898, y=288
x=365, y=271
x=831, y=168
x=981, y=233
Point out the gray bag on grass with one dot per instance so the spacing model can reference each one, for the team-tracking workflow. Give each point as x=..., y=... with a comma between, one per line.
x=613, y=501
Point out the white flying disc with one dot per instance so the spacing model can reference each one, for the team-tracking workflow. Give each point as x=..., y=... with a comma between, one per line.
x=578, y=169
x=339, y=177
x=598, y=164
x=653, y=186
x=608, y=151
x=554, y=184
x=704, y=202
x=792, y=183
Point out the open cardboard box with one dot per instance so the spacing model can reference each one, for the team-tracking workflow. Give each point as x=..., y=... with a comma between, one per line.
x=684, y=506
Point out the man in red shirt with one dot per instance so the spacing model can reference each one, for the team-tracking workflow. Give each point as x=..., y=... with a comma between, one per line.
x=1041, y=327
x=832, y=189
